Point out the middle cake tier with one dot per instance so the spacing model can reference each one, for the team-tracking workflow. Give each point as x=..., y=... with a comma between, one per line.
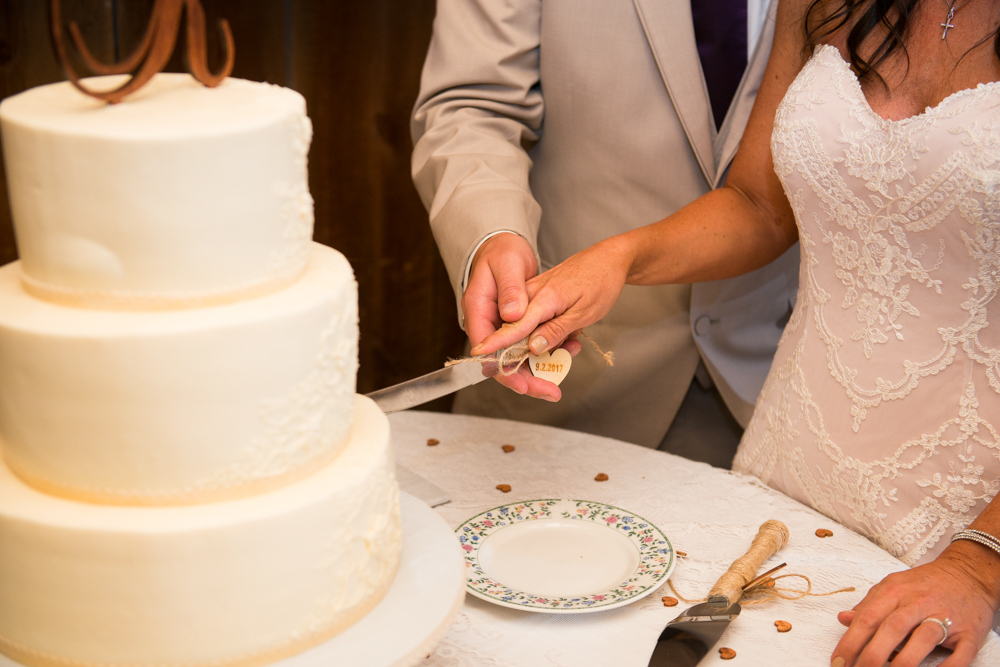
x=183, y=406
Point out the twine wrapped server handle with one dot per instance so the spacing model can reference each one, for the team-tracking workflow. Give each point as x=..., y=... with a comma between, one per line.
x=770, y=538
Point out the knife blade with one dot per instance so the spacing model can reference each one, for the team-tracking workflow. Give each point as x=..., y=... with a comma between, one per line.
x=432, y=385
x=689, y=637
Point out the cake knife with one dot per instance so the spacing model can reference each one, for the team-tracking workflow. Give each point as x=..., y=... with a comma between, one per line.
x=436, y=384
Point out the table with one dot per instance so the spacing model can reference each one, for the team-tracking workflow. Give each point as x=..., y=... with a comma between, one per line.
x=710, y=514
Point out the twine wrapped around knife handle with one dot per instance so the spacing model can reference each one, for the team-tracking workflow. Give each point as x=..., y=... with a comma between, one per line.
x=771, y=537
x=507, y=360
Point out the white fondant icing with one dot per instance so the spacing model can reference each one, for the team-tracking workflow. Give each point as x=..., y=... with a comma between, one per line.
x=178, y=406
x=182, y=188
x=171, y=337
x=237, y=582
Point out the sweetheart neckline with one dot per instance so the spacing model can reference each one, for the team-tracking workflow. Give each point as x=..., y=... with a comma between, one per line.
x=927, y=112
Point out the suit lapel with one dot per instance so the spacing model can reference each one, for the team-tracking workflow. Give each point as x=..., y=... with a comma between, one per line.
x=739, y=111
x=670, y=34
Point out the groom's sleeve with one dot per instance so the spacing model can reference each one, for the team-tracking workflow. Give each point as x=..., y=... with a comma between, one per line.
x=479, y=110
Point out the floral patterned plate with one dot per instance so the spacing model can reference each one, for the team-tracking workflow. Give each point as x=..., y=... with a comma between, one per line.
x=563, y=556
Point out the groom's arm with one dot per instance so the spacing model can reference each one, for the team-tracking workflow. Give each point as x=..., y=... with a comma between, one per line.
x=479, y=109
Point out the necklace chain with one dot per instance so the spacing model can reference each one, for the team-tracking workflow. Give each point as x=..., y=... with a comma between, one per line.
x=952, y=8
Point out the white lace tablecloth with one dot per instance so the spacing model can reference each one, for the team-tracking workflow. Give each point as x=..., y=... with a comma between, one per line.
x=710, y=514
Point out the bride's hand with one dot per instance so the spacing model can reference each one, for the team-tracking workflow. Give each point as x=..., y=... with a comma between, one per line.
x=567, y=298
x=951, y=586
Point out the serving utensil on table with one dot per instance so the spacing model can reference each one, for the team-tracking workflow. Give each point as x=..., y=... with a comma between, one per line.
x=418, y=391
x=447, y=380
x=690, y=636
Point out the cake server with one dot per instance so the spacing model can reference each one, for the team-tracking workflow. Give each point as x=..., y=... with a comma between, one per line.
x=433, y=385
x=417, y=392
x=689, y=637
x=420, y=487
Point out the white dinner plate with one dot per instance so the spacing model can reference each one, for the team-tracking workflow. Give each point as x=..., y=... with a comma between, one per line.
x=563, y=556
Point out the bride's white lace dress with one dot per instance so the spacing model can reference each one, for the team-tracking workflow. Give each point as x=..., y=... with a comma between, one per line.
x=882, y=407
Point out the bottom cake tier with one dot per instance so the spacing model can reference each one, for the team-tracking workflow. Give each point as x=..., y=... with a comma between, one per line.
x=242, y=582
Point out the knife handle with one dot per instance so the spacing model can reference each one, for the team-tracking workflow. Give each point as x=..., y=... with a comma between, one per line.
x=729, y=588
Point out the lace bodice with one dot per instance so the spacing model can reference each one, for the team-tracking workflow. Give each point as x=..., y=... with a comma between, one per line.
x=883, y=403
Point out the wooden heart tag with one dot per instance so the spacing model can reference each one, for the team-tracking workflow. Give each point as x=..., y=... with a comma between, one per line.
x=552, y=366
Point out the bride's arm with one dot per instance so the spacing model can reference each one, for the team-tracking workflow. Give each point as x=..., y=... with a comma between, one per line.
x=728, y=232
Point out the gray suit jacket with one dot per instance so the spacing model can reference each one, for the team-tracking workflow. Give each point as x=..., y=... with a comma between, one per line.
x=568, y=121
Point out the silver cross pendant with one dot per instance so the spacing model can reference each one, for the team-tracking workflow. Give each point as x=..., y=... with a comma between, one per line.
x=947, y=22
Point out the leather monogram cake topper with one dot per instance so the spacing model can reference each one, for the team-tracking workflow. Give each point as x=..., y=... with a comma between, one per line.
x=153, y=52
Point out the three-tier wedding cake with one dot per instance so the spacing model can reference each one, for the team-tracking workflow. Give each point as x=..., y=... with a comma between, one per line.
x=187, y=475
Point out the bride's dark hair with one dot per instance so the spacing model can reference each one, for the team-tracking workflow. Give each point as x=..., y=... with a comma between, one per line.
x=825, y=17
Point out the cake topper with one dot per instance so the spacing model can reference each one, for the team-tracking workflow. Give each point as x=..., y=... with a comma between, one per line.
x=152, y=53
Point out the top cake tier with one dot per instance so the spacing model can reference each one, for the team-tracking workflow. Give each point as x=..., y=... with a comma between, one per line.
x=180, y=196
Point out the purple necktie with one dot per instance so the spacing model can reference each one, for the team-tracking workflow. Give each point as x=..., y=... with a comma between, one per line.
x=720, y=29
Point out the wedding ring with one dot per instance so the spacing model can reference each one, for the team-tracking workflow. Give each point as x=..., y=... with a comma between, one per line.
x=945, y=624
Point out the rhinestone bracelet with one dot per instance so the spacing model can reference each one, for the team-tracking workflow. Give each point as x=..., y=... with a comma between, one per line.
x=987, y=540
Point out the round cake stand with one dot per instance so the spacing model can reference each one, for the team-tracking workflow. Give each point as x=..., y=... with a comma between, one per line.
x=419, y=608
x=415, y=613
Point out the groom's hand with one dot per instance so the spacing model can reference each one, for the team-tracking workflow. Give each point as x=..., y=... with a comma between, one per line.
x=496, y=294
x=569, y=297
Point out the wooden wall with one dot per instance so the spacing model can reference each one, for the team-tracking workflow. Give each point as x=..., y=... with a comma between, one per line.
x=357, y=62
